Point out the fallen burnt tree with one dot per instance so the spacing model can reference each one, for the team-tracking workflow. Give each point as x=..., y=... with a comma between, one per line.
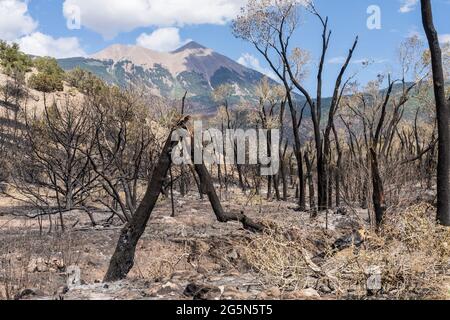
x=208, y=189
x=123, y=258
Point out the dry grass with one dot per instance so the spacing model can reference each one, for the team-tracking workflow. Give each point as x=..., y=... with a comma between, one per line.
x=411, y=251
x=277, y=259
x=283, y=257
x=169, y=259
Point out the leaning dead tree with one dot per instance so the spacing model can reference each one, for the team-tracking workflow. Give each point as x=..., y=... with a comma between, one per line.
x=208, y=189
x=123, y=258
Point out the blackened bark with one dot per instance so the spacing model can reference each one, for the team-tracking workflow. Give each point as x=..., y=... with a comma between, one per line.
x=197, y=183
x=276, y=186
x=442, y=114
x=309, y=175
x=302, y=186
x=327, y=176
x=330, y=186
x=269, y=188
x=172, y=199
x=222, y=216
x=337, y=188
x=338, y=168
x=321, y=182
x=296, y=123
x=284, y=181
x=378, y=191
x=241, y=177
x=123, y=258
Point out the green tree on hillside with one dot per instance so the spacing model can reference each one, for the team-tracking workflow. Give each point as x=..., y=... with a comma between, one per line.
x=50, y=76
x=84, y=81
x=12, y=61
x=15, y=64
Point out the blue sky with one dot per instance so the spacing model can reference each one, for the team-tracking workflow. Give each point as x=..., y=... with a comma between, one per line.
x=40, y=26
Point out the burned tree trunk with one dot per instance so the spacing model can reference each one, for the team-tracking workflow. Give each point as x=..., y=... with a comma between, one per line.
x=338, y=168
x=309, y=174
x=378, y=191
x=197, y=183
x=123, y=259
x=283, y=172
x=442, y=115
x=302, y=186
x=208, y=189
x=331, y=172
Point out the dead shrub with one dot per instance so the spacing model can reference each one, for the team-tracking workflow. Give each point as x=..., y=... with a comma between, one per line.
x=170, y=258
x=411, y=251
x=282, y=257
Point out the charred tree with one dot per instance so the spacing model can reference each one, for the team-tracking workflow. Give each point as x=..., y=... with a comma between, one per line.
x=378, y=190
x=208, y=189
x=442, y=114
x=310, y=178
x=123, y=259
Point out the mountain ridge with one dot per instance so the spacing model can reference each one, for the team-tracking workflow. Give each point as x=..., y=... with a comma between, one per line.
x=192, y=67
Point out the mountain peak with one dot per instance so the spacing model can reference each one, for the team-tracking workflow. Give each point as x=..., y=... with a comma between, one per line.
x=118, y=51
x=192, y=67
x=192, y=45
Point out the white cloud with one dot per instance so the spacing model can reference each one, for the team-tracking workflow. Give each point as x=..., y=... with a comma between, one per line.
x=336, y=60
x=250, y=61
x=110, y=17
x=16, y=25
x=364, y=61
x=40, y=44
x=163, y=40
x=444, y=38
x=14, y=20
x=408, y=6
